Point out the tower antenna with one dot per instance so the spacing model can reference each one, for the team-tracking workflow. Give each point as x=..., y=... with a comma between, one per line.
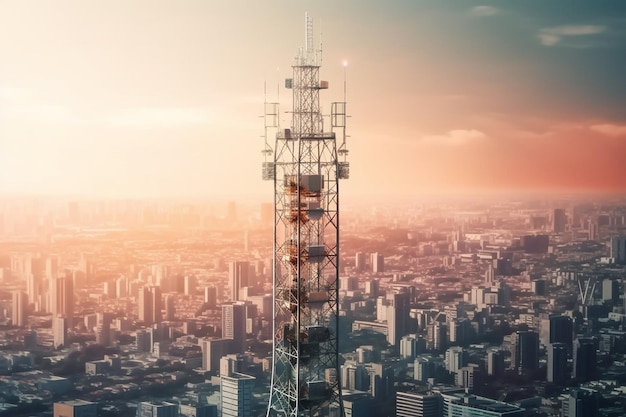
x=306, y=171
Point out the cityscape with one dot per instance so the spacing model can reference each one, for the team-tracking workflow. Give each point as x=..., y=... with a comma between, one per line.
x=458, y=251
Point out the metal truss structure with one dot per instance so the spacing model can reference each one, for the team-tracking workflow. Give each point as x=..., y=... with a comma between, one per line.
x=305, y=168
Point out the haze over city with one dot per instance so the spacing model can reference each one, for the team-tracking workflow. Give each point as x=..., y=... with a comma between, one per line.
x=145, y=99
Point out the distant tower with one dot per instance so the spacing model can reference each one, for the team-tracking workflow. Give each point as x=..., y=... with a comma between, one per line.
x=559, y=220
x=359, y=261
x=306, y=170
x=618, y=249
x=20, y=302
x=238, y=277
x=378, y=263
x=62, y=296
x=149, y=305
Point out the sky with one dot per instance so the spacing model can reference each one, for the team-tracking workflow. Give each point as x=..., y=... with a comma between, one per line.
x=153, y=98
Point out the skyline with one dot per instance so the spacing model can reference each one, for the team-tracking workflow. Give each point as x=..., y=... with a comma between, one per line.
x=443, y=96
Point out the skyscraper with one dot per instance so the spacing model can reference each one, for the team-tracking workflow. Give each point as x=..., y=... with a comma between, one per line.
x=610, y=291
x=149, y=305
x=20, y=302
x=59, y=331
x=525, y=351
x=359, y=261
x=238, y=277
x=559, y=220
x=378, y=263
x=618, y=249
x=170, y=310
x=234, y=325
x=584, y=358
x=557, y=329
x=557, y=363
x=495, y=363
x=62, y=296
x=398, y=318
x=455, y=358
x=210, y=296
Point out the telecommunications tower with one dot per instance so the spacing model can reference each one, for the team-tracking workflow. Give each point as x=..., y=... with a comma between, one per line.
x=306, y=164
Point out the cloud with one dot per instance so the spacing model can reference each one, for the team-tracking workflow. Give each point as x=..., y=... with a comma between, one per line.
x=609, y=129
x=454, y=137
x=554, y=35
x=146, y=118
x=482, y=11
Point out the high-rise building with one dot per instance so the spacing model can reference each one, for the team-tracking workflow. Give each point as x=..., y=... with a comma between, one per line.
x=150, y=305
x=525, y=351
x=582, y=403
x=584, y=358
x=236, y=398
x=18, y=308
x=412, y=404
x=210, y=296
x=212, y=352
x=59, y=331
x=371, y=288
x=143, y=341
x=618, y=249
x=238, y=277
x=423, y=369
x=456, y=357
x=460, y=332
x=610, y=291
x=398, y=317
x=360, y=259
x=495, y=363
x=157, y=409
x=121, y=287
x=190, y=284
x=437, y=336
x=559, y=220
x=62, y=296
x=464, y=377
x=378, y=263
x=234, y=325
x=33, y=289
x=170, y=309
x=490, y=275
x=75, y=408
x=557, y=363
x=557, y=329
x=103, y=331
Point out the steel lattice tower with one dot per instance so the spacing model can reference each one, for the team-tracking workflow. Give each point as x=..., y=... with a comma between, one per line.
x=306, y=170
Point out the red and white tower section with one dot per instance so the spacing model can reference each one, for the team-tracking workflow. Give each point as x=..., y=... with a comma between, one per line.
x=306, y=163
